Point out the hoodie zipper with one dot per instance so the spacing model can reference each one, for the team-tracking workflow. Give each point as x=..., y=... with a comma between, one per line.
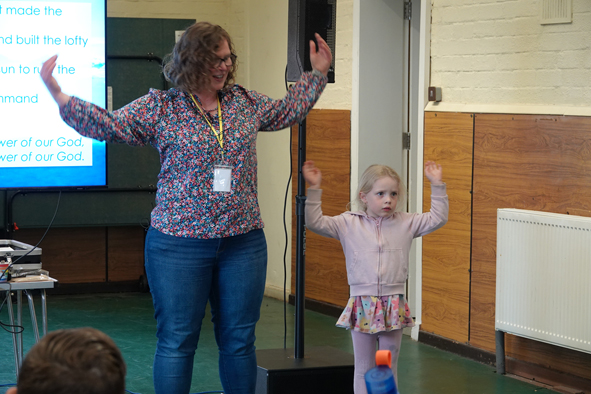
x=379, y=231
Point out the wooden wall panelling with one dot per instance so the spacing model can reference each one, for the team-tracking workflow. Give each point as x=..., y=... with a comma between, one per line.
x=540, y=163
x=537, y=357
x=71, y=255
x=328, y=144
x=446, y=252
x=125, y=255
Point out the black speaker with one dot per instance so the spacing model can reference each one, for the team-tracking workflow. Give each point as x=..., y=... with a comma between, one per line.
x=307, y=17
x=322, y=370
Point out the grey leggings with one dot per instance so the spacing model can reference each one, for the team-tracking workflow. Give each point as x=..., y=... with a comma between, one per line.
x=364, y=346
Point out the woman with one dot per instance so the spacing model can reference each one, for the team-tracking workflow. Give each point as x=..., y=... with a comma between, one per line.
x=206, y=240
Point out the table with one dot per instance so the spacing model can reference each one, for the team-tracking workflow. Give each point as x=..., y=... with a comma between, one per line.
x=19, y=287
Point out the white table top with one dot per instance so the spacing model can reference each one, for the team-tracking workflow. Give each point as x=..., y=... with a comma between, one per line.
x=39, y=284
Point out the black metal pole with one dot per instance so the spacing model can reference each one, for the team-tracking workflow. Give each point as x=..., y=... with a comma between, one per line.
x=300, y=291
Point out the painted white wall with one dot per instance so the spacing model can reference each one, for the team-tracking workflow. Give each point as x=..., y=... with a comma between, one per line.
x=215, y=11
x=496, y=53
x=266, y=43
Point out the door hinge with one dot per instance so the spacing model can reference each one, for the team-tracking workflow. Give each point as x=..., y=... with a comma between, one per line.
x=407, y=10
x=406, y=141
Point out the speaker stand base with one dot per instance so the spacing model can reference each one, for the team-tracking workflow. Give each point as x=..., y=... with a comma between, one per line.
x=322, y=370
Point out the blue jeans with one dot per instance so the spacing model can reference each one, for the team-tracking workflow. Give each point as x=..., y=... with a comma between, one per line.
x=183, y=274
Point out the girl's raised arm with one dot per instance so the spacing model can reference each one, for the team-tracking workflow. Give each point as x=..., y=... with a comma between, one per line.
x=312, y=174
x=434, y=173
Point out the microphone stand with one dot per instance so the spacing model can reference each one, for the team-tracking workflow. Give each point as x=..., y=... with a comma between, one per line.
x=300, y=290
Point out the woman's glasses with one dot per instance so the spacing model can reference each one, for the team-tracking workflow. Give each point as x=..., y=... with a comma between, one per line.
x=228, y=61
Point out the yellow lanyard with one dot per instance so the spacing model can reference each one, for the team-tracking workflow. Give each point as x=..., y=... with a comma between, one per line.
x=219, y=136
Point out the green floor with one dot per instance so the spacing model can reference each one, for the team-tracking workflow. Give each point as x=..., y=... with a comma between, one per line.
x=128, y=319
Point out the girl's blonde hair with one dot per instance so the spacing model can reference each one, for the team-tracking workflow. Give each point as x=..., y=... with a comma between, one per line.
x=370, y=176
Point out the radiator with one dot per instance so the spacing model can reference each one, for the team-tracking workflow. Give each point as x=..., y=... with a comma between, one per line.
x=544, y=278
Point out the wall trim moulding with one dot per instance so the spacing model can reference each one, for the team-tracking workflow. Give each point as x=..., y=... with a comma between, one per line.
x=508, y=109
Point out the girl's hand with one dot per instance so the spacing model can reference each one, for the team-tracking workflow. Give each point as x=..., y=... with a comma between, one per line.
x=434, y=173
x=321, y=58
x=312, y=174
x=54, y=88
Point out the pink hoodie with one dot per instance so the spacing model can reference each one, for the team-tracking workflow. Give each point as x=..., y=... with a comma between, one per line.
x=377, y=249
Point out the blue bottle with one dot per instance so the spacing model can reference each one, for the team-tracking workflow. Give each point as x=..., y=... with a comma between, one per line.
x=380, y=380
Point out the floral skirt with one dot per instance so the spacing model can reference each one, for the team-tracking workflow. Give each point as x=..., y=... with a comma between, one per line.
x=371, y=314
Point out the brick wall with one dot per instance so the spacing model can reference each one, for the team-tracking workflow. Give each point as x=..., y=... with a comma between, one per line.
x=496, y=52
x=338, y=95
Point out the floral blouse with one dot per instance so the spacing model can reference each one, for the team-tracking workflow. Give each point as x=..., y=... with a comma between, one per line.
x=186, y=204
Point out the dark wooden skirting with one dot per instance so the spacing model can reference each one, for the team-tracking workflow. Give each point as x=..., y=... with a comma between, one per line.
x=99, y=287
x=320, y=307
x=560, y=381
x=458, y=348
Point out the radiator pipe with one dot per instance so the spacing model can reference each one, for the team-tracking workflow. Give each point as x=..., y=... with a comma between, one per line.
x=500, y=350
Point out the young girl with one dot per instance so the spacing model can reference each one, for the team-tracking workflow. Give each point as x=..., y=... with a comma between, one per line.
x=376, y=241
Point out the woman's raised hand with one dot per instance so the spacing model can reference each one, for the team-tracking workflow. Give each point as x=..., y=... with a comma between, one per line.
x=54, y=88
x=320, y=58
x=312, y=174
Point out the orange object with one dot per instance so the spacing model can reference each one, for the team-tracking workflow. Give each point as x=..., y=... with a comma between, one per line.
x=384, y=357
x=379, y=379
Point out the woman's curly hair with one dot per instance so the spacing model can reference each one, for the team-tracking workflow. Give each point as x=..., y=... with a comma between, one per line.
x=194, y=54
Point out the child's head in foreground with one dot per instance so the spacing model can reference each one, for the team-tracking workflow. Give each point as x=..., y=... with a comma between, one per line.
x=72, y=361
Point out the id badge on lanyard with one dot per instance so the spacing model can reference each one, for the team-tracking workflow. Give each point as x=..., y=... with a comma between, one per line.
x=222, y=178
x=222, y=173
